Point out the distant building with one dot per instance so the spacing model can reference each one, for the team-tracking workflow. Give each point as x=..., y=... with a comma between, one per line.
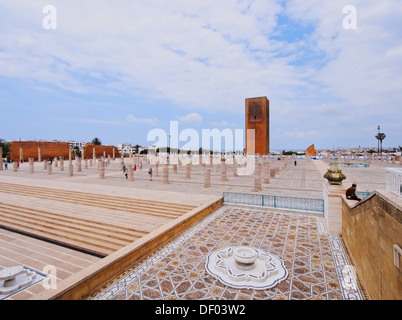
x=75, y=144
x=125, y=148
x=257, y=119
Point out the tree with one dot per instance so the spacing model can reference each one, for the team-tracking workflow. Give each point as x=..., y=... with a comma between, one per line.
x=380, y=137
x=5, y=146
x=96, y=142
x=77, y=151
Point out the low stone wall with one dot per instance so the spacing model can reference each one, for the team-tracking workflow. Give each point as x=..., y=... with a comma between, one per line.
x=103, y=271
x=100, y=151
x=30, y=149
x=371, y=229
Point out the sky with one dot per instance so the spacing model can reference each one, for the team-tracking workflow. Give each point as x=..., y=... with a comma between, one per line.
x=119, y=70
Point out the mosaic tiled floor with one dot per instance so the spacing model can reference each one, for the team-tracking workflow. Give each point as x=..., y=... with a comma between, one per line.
x=317, y=262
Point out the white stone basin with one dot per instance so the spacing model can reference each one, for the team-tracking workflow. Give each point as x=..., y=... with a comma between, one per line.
x=246, y=267
x=245, y=256
x=10, y=273
x=14, y=278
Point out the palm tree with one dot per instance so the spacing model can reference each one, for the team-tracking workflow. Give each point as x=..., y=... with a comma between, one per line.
x=380, y=137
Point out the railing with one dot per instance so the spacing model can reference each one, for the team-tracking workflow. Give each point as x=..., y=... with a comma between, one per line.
x=363, y=194
x=350, y=165
x=282, y=202
x=393, y=178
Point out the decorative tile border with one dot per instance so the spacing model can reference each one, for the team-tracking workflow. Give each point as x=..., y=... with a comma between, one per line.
x=317, y=262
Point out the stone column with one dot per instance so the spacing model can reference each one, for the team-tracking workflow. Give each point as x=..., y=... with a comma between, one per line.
x=175, y=168
x=114, y=154
x=61, y=168
x=79, y=165
x=257, y=177
x=49, y=168
x=207, y=178
x=31, y=165
x=85, y=163
x=102, y=169
x=121, y=163
x=21, y=154
x=165, y=174
x=39, y=154
x=70, y=169
x=266, y=172
x=70, y=156
x=155, y=170
x=91, y=163
x=15, y=168
x=56, y=163
x=272, y=173
x=223, y=170
x=94, y=154
x=188, y=168
x=235, y=167
x=45, y=164
x=1, y=158
x=130, y=172
x=332, y=195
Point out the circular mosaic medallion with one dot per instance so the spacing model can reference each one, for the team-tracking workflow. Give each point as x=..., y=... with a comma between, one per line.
x=246, y=268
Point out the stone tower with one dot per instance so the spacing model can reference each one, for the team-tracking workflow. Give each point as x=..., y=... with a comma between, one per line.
x=257, y=118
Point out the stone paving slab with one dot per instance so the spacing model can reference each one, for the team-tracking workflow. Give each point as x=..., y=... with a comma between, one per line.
x=316, y=261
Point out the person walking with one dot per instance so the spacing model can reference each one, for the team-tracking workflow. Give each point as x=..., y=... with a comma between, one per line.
x=150, y=174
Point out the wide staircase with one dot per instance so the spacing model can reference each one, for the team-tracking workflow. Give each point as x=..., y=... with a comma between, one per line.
x=82, y=231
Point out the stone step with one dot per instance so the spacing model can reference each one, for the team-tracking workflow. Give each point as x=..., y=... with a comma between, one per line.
x=109, y=228
x=130, y=205
x=72, y=233
x=83, y=244
x=146, y=203
x=63, y=225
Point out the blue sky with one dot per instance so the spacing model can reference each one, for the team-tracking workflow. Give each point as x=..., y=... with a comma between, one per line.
x=117, y=70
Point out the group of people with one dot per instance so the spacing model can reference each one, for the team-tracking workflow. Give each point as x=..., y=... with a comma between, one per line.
x=6, y=165
x=125, y=170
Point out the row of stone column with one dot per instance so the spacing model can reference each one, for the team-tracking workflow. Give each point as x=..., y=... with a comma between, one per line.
x=48, y=165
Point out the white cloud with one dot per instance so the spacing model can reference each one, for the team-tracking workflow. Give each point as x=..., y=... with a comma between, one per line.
x=210, y=56
x=191, y=118
x=150, y=121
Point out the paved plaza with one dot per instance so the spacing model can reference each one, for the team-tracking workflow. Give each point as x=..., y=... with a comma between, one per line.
x=316, y=261
x=319, y=266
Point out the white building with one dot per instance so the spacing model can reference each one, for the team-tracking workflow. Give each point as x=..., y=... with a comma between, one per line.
x=125, y=148
x=74, y=144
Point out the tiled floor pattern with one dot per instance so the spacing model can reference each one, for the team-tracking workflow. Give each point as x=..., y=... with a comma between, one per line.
x=317, y=263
